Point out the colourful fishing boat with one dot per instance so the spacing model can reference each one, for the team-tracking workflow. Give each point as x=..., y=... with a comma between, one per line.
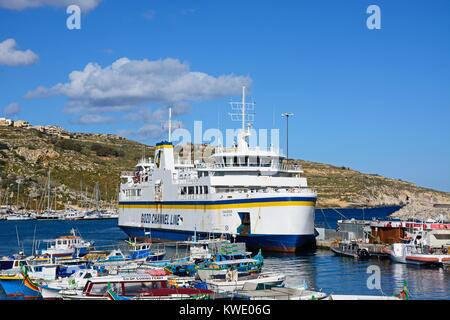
x=66, y=246
x=220, y=266
x=135, y=287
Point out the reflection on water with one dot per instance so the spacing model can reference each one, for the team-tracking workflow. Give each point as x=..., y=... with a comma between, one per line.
x=341, y=275
x=320, y=269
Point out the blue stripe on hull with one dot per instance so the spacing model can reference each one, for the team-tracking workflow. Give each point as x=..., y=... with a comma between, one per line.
x=213, y=202
x=277, y=243
x=16, y=288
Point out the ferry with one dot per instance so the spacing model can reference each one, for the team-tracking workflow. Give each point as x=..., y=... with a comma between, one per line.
x=250, y=193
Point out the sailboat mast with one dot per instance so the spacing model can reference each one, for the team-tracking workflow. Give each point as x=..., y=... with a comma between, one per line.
x=48, y=190
x=170, y=124
x=18, y=192
x=243, y=108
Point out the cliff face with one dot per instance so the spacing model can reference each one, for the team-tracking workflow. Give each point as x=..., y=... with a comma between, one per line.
x=344, y=187
x=78, y=160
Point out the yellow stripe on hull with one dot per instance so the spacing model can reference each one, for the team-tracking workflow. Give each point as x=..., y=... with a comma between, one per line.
x=219, y=206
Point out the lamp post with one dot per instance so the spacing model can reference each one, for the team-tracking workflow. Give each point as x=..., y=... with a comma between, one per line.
x=287, y=115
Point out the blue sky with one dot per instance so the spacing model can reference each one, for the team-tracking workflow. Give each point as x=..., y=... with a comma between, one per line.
x=374, y=100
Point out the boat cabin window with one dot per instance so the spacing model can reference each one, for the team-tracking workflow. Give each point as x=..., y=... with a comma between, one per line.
x=190, y=190
x=134, y=288
x=205, y=189
x=101, y=288
x=235, y=162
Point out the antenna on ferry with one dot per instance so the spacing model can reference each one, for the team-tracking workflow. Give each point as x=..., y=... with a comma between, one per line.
x=243, y=111
x=243, y=108
x=170, y=124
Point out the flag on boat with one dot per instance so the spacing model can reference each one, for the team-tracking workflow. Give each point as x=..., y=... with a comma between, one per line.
x=27, y=281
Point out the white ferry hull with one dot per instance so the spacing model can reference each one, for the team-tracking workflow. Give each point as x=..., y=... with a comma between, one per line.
x=283, y=224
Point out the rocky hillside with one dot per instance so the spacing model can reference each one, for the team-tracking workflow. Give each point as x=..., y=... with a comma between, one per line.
x=78, y=160
x=344, y=187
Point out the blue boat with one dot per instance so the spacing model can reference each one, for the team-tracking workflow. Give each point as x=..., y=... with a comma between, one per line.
x=144, y=250
x=14, y=286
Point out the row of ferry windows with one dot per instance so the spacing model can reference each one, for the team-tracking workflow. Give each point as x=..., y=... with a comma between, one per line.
x=133, y=192
x=246, y=161
x=194, y=190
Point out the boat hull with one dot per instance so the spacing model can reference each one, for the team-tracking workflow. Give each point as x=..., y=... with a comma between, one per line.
x=273, y=223
x=17, y=288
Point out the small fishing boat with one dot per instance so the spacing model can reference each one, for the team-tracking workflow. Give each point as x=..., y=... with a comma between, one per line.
x=140, y=250
x=410, y=253
x=182, y=268
x=351, y=249
x=135, y=287
x=166, y=262
x=71, y=245
x=233, y=282
x=237, y=261
x=219, y=269
x=280, y=293
x=20, y=284
x=50, y=289
x=13, y=263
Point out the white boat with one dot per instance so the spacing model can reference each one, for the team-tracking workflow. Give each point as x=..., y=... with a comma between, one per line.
x=416, y=250
x=49, y=215
x=253, y=282
x=249, y=192
x=133, y=286
x=71, y=245
x=116, y=258
x=220, y=269
x=92, y=215
x=13, y=263
x=72, y=214
x=409, y=253
x=20, y=216
x=282, y=293
x=77, y=281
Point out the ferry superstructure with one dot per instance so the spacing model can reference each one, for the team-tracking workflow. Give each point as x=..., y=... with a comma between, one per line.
x=248, y=193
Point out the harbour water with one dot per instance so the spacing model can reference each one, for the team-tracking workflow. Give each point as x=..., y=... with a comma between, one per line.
x=320, y=269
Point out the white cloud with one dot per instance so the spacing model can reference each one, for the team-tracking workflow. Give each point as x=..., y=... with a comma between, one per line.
x=11, y=109
x=29, y=4
x=10, y=56
x=127, y=83
x=93, y=119
x=153, y=130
